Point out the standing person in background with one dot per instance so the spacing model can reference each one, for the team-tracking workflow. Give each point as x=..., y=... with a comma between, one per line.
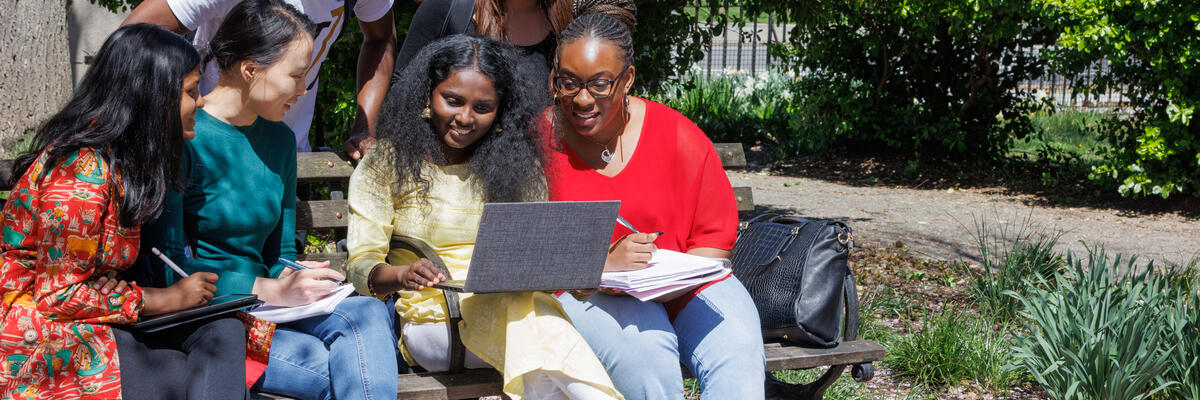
x=375, y=60
x=531, y=26
x=98, y=170
x=237, y=212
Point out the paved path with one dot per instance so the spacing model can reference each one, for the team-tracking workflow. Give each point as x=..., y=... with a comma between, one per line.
x=925, y=220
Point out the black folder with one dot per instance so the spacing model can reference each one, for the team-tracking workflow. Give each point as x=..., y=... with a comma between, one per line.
x=217, y=306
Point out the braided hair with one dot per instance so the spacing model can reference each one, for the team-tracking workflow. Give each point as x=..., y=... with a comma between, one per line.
x=623, y=10
x=598, y=26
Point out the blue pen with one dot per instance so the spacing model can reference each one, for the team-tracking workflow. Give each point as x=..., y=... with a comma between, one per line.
x=298, y=266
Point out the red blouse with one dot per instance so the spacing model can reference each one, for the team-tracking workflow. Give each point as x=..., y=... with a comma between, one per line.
x=672, y=182
x=60, y=234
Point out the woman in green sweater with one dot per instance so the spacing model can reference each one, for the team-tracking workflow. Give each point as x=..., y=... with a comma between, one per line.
x=237, y=215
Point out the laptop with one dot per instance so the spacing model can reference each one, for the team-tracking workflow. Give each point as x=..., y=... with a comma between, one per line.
x=545, y=246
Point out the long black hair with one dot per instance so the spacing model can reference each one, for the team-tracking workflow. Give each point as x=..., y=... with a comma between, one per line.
x=126, y=109
x=259, y=31
x=507, y=165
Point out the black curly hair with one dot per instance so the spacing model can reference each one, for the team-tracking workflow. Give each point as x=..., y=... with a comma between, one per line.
x=507, y=165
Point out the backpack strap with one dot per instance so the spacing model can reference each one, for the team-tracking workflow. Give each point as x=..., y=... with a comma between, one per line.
x=460, y=18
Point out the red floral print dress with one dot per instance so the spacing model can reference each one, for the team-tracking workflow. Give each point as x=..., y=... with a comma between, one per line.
x=60, y=233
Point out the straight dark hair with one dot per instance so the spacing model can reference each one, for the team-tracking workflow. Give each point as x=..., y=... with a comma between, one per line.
x=259, y=31
x=506, y=164
x=126, y=109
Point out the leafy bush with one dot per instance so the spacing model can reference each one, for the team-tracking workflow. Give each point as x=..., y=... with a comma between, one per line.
x=924, y=76
x=1013, y=255
x=735, y=107
x=951, y=347
x=1153, y=47
x=1104, y=330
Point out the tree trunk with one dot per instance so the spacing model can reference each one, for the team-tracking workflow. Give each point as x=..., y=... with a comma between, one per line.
x=35, y=69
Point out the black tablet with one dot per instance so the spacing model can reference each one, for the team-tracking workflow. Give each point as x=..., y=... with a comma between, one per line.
x=217, y=306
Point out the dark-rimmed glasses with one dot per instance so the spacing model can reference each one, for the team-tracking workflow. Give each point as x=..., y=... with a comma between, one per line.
x=597, y=87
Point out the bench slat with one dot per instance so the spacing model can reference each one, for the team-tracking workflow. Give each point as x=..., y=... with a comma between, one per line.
x=731, y=154
x=322, y=214
x=745, y=198
x=337, y=261
x=781, y=357
x=469, y=384
x=322, y=166
x=484, y=382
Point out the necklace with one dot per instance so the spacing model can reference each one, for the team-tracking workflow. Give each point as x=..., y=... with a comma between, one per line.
x=607, y=154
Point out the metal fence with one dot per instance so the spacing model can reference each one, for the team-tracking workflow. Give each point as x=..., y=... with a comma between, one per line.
x=742, y=48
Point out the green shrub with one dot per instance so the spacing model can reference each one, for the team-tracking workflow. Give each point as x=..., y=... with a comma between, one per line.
x=735, y=107
x=1154, y=50
x=1012, y=256
x=951, y=347
x=1104, y=330
x=922, y=76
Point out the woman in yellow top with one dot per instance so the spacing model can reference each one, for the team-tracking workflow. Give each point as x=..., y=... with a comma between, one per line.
x=455, y=134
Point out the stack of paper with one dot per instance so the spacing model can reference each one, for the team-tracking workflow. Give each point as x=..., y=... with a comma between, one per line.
x=323, y=306
x=669, y=273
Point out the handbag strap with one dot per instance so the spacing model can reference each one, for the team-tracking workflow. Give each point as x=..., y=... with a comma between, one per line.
x=458, y=352
x=851, y=293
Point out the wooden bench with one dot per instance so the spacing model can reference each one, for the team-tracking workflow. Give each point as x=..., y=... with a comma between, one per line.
x=332, y=213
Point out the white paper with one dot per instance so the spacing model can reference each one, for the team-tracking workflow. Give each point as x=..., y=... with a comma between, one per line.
x=320, y=307
x=668, y=272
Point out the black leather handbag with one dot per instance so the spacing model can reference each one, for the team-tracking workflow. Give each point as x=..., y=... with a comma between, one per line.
x=797, y=270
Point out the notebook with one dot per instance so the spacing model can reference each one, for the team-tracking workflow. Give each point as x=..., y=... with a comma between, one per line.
x=324, y=306
x=544, y=246
x=217, y=306
x=667, y=275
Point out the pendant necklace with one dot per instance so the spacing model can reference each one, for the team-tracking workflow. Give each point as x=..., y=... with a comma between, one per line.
x=607, y=154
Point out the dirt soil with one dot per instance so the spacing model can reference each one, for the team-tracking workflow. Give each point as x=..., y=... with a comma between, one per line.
x=934, y=214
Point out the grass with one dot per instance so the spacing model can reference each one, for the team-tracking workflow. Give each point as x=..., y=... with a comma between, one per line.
x=953, y=347
x=1064, y=134
x=1112, y=328
x=1015, y=257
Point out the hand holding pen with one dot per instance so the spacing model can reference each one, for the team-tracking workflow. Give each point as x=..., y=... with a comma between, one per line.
x=298, y=285
x=631, y=252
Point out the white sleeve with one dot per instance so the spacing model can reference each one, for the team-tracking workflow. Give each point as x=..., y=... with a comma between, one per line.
x=371, y=10
x=194, y=13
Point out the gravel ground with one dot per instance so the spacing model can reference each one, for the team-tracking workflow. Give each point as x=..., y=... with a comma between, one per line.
x=931, y=222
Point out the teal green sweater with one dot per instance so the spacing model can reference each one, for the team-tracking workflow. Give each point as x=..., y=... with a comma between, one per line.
x=238, y=207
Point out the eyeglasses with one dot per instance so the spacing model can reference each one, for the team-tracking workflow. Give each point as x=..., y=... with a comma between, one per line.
x=598, y=87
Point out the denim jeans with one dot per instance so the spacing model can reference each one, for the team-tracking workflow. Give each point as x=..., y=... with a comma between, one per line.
x=717, y=336
x=349, y=354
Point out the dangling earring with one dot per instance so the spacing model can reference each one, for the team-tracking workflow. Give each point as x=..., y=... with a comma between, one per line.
x=426, y=113
x=626, y=98
x=497, y=129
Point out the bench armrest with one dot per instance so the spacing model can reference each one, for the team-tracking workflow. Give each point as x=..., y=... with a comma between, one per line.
x=457, y=351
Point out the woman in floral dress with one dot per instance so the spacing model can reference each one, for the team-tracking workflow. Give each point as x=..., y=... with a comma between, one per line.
x=99, y=168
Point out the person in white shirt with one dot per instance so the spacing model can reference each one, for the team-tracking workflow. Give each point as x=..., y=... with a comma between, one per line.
x=375, y=59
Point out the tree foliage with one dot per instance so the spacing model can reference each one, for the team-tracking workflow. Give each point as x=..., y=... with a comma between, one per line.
x=934, y=77
x=1153, y=48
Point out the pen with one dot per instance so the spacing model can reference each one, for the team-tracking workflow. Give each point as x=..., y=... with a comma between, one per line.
x=292, y=264
x=169, y=262
x=621, y=220
x=298, y=266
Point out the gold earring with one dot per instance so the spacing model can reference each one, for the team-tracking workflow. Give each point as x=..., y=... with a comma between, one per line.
x=426, y=113
x=497, y=129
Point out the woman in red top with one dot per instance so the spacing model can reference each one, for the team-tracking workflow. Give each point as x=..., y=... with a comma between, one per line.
x=605, y=145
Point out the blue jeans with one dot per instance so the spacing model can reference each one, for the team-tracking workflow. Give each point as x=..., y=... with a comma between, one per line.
x=349, y=354
x=717, y=336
